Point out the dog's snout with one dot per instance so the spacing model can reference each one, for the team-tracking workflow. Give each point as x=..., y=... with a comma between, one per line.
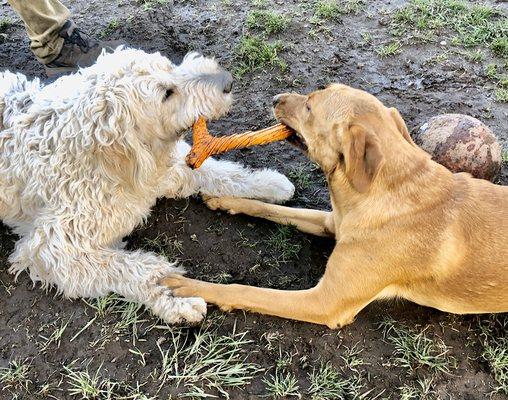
x=276, y=99
x=228, y=82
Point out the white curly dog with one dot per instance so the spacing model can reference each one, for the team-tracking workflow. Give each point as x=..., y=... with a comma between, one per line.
x=83, y=159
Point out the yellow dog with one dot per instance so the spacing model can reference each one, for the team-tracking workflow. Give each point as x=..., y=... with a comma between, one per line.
x=404, y=225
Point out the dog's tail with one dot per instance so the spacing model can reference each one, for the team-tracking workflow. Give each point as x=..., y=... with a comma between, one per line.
x=16, y=95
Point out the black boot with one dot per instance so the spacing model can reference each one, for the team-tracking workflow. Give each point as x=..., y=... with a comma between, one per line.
x=79, y=51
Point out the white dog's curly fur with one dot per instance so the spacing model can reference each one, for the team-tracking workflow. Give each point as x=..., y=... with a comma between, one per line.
x=83, y=159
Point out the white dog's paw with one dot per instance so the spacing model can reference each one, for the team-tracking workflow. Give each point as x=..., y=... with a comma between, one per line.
x=180, y=309
x=272, y=186
x=192, y=309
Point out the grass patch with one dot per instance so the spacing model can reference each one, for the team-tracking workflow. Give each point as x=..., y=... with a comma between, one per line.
x=472, y=24
x=389, y=49
x=112, y=26
x=504, y=156
x=333, y=9
x=15, y=376
x=255, y=53
x=501, y=95
x=5, y=23
x=267, y=21
x=491, y=71
x=494, y=338
x=327, y=383
x=259, y=3
x=414, y=349
x=149, y=5
x=300, y=177
x=282, y=383
x=283, y=241
x=475, y=55
x=94, y=385
x=169, y=247
x=421, y=390
x=500, y=47
x=56, y=335
x=327, y=9
x=206, y=361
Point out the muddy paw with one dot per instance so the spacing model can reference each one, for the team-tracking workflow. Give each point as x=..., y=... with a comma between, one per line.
x=221, y=203
x=181, y=286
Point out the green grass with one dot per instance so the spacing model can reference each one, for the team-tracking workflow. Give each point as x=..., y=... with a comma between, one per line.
x=491, y=71
x=300, y=176
x=327, y=383
x=500, y=46
x=282, y=383
x=494, y=338
x=206, y=361
x=475, y=55
x=333, y=9
x=255, y=53
x=259, y=3
x=414, y=349
x=472, y=24
x=169, y=247
x=389, y=49
x=84, y=384
x=327, y=9
x=16, y=375
x=268, y=22
x=5, y=23
x=366, y=38
x=112, y=26
x=504, y=156
x=55, y=337
x=422, y=389
x=149, y=5
x=285, y=243
x=501, y=95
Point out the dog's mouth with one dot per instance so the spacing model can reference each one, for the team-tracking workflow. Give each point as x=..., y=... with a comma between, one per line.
x=296, y=139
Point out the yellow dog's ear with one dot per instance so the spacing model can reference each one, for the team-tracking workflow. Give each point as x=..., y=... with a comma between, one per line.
x=363, y=157
x=401, y=125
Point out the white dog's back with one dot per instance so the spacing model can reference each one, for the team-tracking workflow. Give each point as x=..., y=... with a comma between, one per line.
x=16, y=95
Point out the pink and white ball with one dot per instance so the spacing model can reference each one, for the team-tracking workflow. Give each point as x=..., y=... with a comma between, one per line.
x=462, y=144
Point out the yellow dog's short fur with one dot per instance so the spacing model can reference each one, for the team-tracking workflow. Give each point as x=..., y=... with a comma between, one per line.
x=405, y=226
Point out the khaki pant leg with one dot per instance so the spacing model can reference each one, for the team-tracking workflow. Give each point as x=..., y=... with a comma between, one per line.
x=43, y=20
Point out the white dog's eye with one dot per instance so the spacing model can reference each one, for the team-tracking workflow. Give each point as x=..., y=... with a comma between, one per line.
x=168, y=94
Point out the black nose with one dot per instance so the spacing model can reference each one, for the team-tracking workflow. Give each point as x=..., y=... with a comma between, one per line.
x=276, y=100
x=228, y=82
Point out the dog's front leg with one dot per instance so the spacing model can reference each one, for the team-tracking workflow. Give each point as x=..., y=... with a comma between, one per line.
x=79, y=269
x=346, y=287
x=224, y=178
x=315, y=222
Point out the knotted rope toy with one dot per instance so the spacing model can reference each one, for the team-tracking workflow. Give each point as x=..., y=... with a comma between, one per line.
x=206, y=145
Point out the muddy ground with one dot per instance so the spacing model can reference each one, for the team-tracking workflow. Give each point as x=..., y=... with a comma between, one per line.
x=217, y=246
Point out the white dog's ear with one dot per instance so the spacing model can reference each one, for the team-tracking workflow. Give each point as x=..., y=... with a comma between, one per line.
x=363, y=157
x=112, y=127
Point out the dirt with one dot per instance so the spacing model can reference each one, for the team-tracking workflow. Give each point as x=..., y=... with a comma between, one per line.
x=216, y=243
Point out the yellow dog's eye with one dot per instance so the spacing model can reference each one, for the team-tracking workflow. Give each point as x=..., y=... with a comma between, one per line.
x=307, y=106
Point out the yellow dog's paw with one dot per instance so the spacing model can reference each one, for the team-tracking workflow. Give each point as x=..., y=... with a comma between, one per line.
x=221, y=203
x=181, y=286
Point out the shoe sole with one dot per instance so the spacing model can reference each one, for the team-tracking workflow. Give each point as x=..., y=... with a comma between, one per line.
x=56, y=72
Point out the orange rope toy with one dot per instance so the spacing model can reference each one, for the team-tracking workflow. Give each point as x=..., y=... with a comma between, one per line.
x=206, y=145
